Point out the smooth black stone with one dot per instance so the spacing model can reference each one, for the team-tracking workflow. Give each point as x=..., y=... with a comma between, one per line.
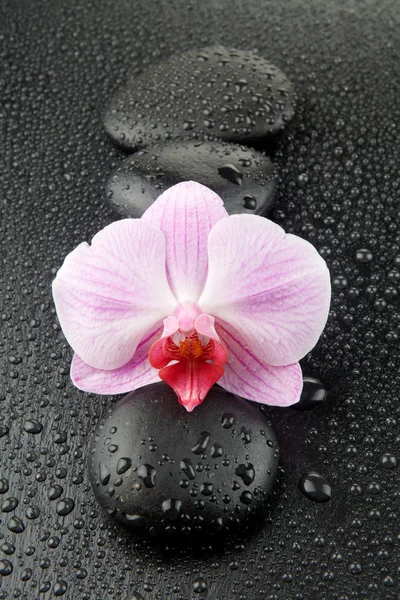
x=209, y=93
x=316, y=487
x=243, y=178
x=167, y=479
x=313, y=394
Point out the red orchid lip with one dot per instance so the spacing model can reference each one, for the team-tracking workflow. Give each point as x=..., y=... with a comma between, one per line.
x=239, y=281
x=197, y=369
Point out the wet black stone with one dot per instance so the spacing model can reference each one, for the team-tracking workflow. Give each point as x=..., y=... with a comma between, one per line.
x=313, y=394
x=184, y=487
x=243, y=178
x=213, y=92
x=316, y=487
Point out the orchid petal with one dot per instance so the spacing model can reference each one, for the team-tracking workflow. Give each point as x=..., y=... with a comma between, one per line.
x=186, y=213
x=135, y=374
x=247, y=376
x=272, y=288
x=110, y=294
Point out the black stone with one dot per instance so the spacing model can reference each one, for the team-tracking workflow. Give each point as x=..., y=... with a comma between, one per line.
x=313, y=394
x=316, y=487
x=209, y=93
x=243, y=178
x=167, y=478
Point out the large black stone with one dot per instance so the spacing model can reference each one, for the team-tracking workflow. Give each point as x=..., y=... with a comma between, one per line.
x=242, y=177
x=212, y=92
x=164, y=471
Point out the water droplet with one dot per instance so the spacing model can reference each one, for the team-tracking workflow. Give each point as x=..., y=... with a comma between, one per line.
x=171, y=508
x=9, y=504
x=231, y=173
x=65, y=506
x=147, y=474
x=33, y=426
x=206, y=489
x=4, y=485
x=55, y=492
x=388, y=461
x=16, y=525
x=315, y=486
x=246, y=497
x=123, y=465
x=6, y=568
x=60, y=587
x=312, y=395
x=187, y=468
x=228, y=420
x=246, y=472
x=364, y=256
x=249, y=202
x=200, y=585
x=216, y=450
x=104, y=474
x=202, y=443
x=136, y=521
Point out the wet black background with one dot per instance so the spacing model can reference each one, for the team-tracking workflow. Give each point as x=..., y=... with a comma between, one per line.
x=339, y=188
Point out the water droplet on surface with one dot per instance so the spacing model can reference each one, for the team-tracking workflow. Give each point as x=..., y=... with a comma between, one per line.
x=33, y=426
x=231, y=173
x=16, y=525
x=65, y=506
x=187, y=468
x=9, y=504
x=316, y=487
x=123, y=465
x=171, y=508
x=147, y=474
x=246, y=472
x=228, y=420
x=202, y=443
x=6, y=568
x=313, y=394
x=388, y=461
x=200, y=585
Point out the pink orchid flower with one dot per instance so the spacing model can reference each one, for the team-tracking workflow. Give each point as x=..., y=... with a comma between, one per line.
x=193, y=296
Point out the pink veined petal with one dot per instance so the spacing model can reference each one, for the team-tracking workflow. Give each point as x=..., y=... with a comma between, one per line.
x=109, y=294
x=272, y=288
x=134, y=374
x=186, y=213
x=247, y=376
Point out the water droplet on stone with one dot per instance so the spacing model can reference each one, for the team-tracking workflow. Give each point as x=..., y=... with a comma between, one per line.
x=123, y=465
x=147, y=474
x=202, y=443
x=246, y=472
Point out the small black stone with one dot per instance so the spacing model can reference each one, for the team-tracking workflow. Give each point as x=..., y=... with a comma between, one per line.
x=210, y=93
x=243, y=178
x=316, y=487
x=312, y=395
x=202, y=478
